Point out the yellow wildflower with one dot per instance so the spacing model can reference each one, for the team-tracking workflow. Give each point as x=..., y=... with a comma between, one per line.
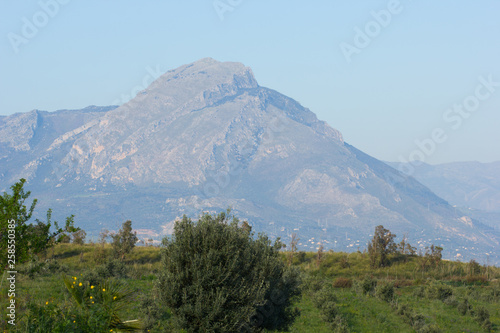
x=47, y=303
x=80, y=284
x=91, y=287
x=103, y=289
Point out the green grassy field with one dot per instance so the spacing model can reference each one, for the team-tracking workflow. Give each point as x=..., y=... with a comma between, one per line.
x=404, y=297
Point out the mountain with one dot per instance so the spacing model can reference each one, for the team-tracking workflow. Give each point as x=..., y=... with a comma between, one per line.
x=471, y=187
x=468, y=184
x=206, y=136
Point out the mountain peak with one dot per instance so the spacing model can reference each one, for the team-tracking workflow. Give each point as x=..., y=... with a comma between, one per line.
x=206, y=136
x=206, y=73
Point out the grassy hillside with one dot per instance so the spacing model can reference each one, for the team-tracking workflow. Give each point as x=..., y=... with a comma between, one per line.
x=340, y=293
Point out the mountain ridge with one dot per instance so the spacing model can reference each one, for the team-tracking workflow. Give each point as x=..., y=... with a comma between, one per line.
x=206, y=136
x=469, y=184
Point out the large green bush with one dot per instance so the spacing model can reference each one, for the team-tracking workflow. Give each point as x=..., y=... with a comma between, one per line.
x=216, y=277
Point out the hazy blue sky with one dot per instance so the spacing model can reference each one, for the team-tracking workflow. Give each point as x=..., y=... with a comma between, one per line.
x=384, y=88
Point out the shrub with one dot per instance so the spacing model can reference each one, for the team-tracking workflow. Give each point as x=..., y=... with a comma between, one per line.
x=404, y=310
x=419, y=292
x=112, y=268
x=464, y=307
x=312, y=283
x=439, y=291
x=487, y=325
x=473, y=267
x=477, y=279
x=342, y=282
x=344, y=261
x=50, y=266
x=367, y=285
x=301, y=257
x=216, y=277
x=481, y=314
x=451, y=301
x=325, y=300
x=79, y=237
x=385, y=292
x=115, y=268
x=418, y=322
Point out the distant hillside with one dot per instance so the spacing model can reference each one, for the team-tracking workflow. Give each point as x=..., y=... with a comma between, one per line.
x=206, y=136
x=468, y=184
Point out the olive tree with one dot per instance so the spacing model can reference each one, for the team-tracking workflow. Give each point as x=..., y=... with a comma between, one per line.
x=216, y=276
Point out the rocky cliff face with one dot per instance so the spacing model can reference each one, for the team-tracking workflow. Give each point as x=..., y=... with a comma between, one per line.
x=206, y=136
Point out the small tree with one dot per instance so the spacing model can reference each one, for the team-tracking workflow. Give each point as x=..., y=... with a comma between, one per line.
x=404, y=248
x=79, y=237
x=293, y=247
x=473, y=268
x=435, y=254
x=216, y=277
x=124, y=241
x=100, y=251
x=381, y=245
x=320, y=254
x=65, y=239
x=29, y=238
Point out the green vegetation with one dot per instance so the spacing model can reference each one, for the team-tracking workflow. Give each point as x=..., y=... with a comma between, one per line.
x=448, y=297
x=381, y=246
x=124, y=241
x=215, y=275
x=30, y=239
